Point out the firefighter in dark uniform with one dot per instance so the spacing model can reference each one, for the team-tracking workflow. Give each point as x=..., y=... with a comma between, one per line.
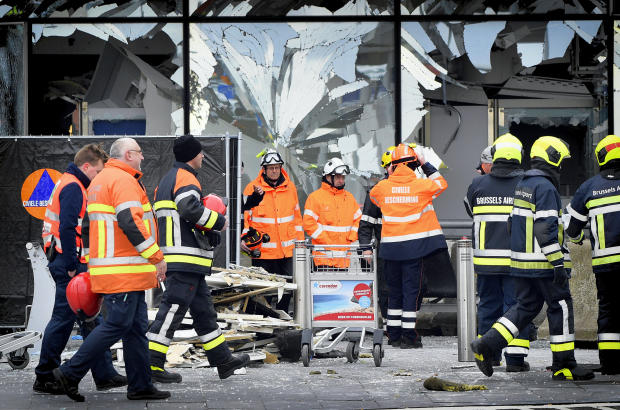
x=489, y=202
x=179, y=209
x=370, y=225
x=598, y=200
x=540, y=266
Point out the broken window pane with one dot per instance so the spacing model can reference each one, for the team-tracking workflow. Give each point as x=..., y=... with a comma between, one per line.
x=92, y=8
x=107, y=79
x=268, y=8
x=12, y=80
x=494, y=7
x=314, y=90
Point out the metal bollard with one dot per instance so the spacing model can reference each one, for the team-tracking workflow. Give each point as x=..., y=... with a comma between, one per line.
x=466, y=299
x=300, y=278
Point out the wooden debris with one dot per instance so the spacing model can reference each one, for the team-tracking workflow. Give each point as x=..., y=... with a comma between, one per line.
x=433, y=383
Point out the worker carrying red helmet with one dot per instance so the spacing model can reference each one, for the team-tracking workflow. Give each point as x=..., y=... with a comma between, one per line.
x=410, y=231
x=188, y=251
x=332, y=217
x=272, y=211
x=597, y=201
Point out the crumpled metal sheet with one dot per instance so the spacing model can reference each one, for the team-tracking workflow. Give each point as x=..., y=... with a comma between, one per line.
x=291, y=8
x=495, y=7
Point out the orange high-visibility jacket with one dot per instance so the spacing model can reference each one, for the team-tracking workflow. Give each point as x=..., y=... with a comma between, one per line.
x=332, y=217
x=51, y=222
x=278, y=215
x=410, y=228
x=123, y=233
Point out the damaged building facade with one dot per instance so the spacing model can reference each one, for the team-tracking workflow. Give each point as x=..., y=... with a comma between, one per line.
x=315, y=78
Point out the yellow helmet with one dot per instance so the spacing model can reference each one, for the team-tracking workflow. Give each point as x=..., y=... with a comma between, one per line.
x=386, y=158
x=608, y=149
x=551, y=149
x=507, y=147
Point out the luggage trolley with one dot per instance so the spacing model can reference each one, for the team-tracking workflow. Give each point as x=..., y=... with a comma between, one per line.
x=15, y=347
x=337, y=290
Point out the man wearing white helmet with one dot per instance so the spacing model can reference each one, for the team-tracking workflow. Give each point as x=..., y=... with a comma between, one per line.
x=332, y=216
x=272, y=208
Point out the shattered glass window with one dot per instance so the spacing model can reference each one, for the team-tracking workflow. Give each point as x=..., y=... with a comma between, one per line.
x=91, y=8
x=506, y=7
x=252, y=8
x=12, y=80
x=315, y=91
x=106, y=79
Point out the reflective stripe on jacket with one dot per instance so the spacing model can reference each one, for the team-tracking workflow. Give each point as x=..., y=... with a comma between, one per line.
x=332, y=217
x=51, y=221
x=598, y=200
x=410, y=228
x=179, y=208
x=489, y=202
x=123, y=232
x=537, y=232
x=278, y=215
x=370, y=224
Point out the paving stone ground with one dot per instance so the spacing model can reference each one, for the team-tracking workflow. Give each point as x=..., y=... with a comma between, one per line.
x=358, y=385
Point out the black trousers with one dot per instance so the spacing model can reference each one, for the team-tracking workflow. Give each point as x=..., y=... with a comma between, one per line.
x=530, y=294
x=607, y=285
x=186, y=291
x=282, y=266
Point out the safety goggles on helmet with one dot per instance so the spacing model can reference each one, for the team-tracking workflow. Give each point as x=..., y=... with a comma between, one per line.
x=550, y=149
x=507, y=147
x=386, y=158
x=336, y=166
x=270, y=157
x=607, y=149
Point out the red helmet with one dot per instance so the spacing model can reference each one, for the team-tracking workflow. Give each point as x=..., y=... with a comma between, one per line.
x=214, y=203
x=81, y=298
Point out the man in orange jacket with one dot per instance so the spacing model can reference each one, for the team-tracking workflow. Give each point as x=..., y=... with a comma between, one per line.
x=332, y=217
x=410, y=231
x=273, y=208
x=125, y=260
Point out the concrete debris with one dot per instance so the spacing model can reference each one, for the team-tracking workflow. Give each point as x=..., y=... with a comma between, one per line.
x=433, y=383
x=242, y=297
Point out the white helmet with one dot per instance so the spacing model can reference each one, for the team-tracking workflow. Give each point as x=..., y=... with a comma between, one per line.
x=336, y=166
x=270, y=157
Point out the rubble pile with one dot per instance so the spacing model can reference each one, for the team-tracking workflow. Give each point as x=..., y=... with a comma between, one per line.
x=242, y=298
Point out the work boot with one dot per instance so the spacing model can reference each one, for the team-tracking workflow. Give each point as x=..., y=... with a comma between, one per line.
x=408, y=343
x=162, y=376
x=395, y=342
x=514, y=368
x=114, y=382
x=69, y=387
x=225, y=370
x=576, y=373
x=149, y=394
x=483, y=355
x=47, y=385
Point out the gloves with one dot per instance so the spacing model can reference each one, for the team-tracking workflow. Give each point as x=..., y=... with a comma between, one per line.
x=215, y=238
x=560, y=276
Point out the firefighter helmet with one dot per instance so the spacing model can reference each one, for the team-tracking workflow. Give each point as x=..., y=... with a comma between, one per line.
x=386, y=158
x=336, y=166
x=507, y=147
x=404, y=153
x=608, y=149
x=214, y=203
x=81, y=298
x=550, y=149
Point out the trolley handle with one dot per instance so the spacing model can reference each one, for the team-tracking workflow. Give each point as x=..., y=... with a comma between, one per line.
x=308, y=244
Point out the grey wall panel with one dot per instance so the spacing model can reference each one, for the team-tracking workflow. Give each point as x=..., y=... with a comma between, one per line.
x=462, y=156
